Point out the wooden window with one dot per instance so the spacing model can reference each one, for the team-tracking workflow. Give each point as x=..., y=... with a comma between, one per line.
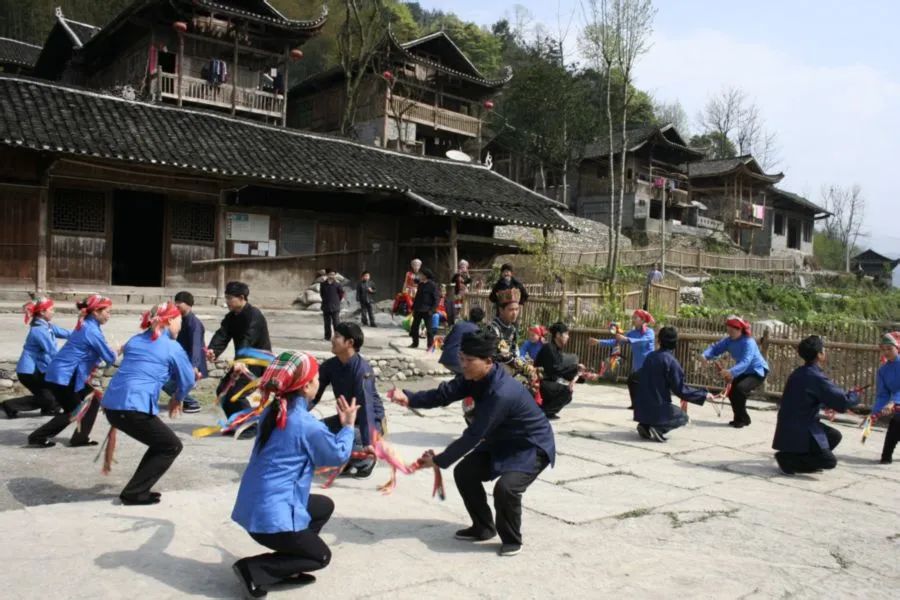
x=778, y=223
x=298, y=236
x=193, y=222
x=807, y=231
x=79, y=211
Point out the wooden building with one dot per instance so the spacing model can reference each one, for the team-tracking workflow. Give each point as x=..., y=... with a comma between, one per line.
x=424, y=96
x=871, y=264
x=225, y=55
x=17, y=57
x=788, y=225
x=135, y=198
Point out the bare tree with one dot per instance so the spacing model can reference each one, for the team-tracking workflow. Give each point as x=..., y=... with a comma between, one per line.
x=847, y=207
x=722, y=114
x=735, y=119
x=361, y=35
x=674, y=113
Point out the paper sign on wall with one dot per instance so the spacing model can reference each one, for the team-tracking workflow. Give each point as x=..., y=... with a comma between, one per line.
x=247, y=227
x=271, y=247
x=241, y=249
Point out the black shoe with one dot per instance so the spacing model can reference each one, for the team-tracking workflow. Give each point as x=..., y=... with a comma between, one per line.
x=552, y=417
x=631, y=407
x=79, y=444
x=786, y=471
x=49, y=413
x=249, y=433
x=413, y=346
x=643, y=432
x=41, y=444
x=737, y=424
x=188, y=407
x=300, y=579
x=146, y=500
x=251, y=590
x=470, y=534
x=656, y=435
x=364, y=472
x=509, y=549
x=886, y=460
x=10, y=413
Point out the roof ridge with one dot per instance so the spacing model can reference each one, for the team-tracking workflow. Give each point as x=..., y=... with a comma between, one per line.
x=9, y=39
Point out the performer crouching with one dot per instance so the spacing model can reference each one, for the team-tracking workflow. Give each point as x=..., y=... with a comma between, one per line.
x=558, y=371
x=509, y=438
x=888, y=393
x=803, y=443
x=658, y=378
x=131, y=401
x=274, y=503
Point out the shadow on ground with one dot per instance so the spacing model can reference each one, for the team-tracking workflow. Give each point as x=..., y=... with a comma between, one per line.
x=436, y=535
x=37, y=491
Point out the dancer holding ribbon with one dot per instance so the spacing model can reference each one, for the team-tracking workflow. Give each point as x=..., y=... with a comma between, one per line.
x=69, y=375
x=509, y=439
x=40, y=348
x=641, y=339
x=131, y=402
x=274, y=503
x=887, y=395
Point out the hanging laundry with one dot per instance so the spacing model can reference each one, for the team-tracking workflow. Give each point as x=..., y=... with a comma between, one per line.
x=759, y=212
x=659, y=182
x=278, y=83
x=215, y=72
x=153, y=59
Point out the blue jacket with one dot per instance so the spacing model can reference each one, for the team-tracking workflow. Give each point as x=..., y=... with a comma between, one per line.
x=807, y=390
x=659, y=378
x=191, y=339
x=530, y=349
x=642, y=344
x=887, y=385
x=450, y=355
x=40, y=346
x=84, y=351
x=744, y=351
x=354, y=380
x=147, y=365
x=508, y=424
x=274, y=489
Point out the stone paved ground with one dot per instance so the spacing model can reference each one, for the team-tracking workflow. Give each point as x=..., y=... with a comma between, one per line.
x=706, y=515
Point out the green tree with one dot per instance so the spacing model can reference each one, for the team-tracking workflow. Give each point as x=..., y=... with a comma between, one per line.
x=715, y=145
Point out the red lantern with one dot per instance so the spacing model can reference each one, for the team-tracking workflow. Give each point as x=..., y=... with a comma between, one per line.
x=296, y=54
x=180, y=26
x=388, y=75
x=489, y=104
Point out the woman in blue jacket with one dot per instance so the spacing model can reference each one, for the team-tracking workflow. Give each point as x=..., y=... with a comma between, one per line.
x=642, y=340
x=131, y=401
x=273, y=503
x=749, y=370
x=68, y=375
x=40, y=348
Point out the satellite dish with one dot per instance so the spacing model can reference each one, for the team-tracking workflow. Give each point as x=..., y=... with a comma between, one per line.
x=128, y=92
x=457, y=155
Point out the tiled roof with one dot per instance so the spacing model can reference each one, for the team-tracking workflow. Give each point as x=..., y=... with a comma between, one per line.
x=800, y=201
x=725, y=166
x=261, y=10
x=64, y=120
x=18, y=53
x=637, y=137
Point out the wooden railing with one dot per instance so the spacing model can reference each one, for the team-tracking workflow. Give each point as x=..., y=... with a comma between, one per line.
x=440, y=119
x=682, y=259
x=200, y=91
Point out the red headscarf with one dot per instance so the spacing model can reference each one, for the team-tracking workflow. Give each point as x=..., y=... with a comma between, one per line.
x=738, y=323
x=37, y=306
x=158, y=317
x=289, y=372
x=91, y=304
x=645, y=316
x=539, y=330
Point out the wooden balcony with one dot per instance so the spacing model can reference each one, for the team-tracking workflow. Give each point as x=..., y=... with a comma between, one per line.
x=199, y=91
x=743, y=218
x=440, y=119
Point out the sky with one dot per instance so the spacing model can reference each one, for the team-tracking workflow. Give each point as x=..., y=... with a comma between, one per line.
x=825, y=75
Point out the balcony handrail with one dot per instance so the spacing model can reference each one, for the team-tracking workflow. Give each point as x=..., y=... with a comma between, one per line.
x=196, y=89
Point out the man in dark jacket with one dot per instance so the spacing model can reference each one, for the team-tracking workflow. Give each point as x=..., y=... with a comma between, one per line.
x=332, y=294
x=506, y=282
x=804, y=444
x=191, y=339
x=509, y=438
x=246, y=327
x=661, y=376
x=450, y=355
x=365, y=295
x=558, y=371
x=424, y=305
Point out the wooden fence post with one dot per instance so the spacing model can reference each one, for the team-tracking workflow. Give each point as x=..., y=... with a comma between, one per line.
x=764, y=350
x=563, y=305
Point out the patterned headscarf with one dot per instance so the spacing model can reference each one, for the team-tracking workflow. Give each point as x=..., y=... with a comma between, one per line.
x=37, y=306
x=891, y=338
x=645, y=316
x=158, y=317
x=89, y=305
x=738, y=323
x=289, y=372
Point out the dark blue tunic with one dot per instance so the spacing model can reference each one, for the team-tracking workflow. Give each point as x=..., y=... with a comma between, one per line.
x=354, y=380
x=660, y=377
x=450, y=355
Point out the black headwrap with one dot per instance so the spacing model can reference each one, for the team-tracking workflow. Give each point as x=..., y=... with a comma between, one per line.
x=481, y=344
x=809, y=348
x=668, y=338
x=237, y=288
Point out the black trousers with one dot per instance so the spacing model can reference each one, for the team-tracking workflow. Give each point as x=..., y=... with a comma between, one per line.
x=41, y=398
x=368, y=314
x=450, y=305
x=68, y=399
x=333, y=423
x=891, y=437
x=241, y=403
x=741, y=388
x=474, y=469
x=163, y=448
x=817, y=458
x=295, y=551
x=331, y=319
x=632, y=383
x=418, y=318
x=555, y=397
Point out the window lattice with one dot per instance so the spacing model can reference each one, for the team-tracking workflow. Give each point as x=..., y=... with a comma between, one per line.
x=80, y=211
x=193, y=222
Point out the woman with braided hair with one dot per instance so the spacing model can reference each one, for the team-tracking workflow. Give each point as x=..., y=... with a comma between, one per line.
x=69, y=374
x=131, y=402
x=274, y=503
x=40, y=348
